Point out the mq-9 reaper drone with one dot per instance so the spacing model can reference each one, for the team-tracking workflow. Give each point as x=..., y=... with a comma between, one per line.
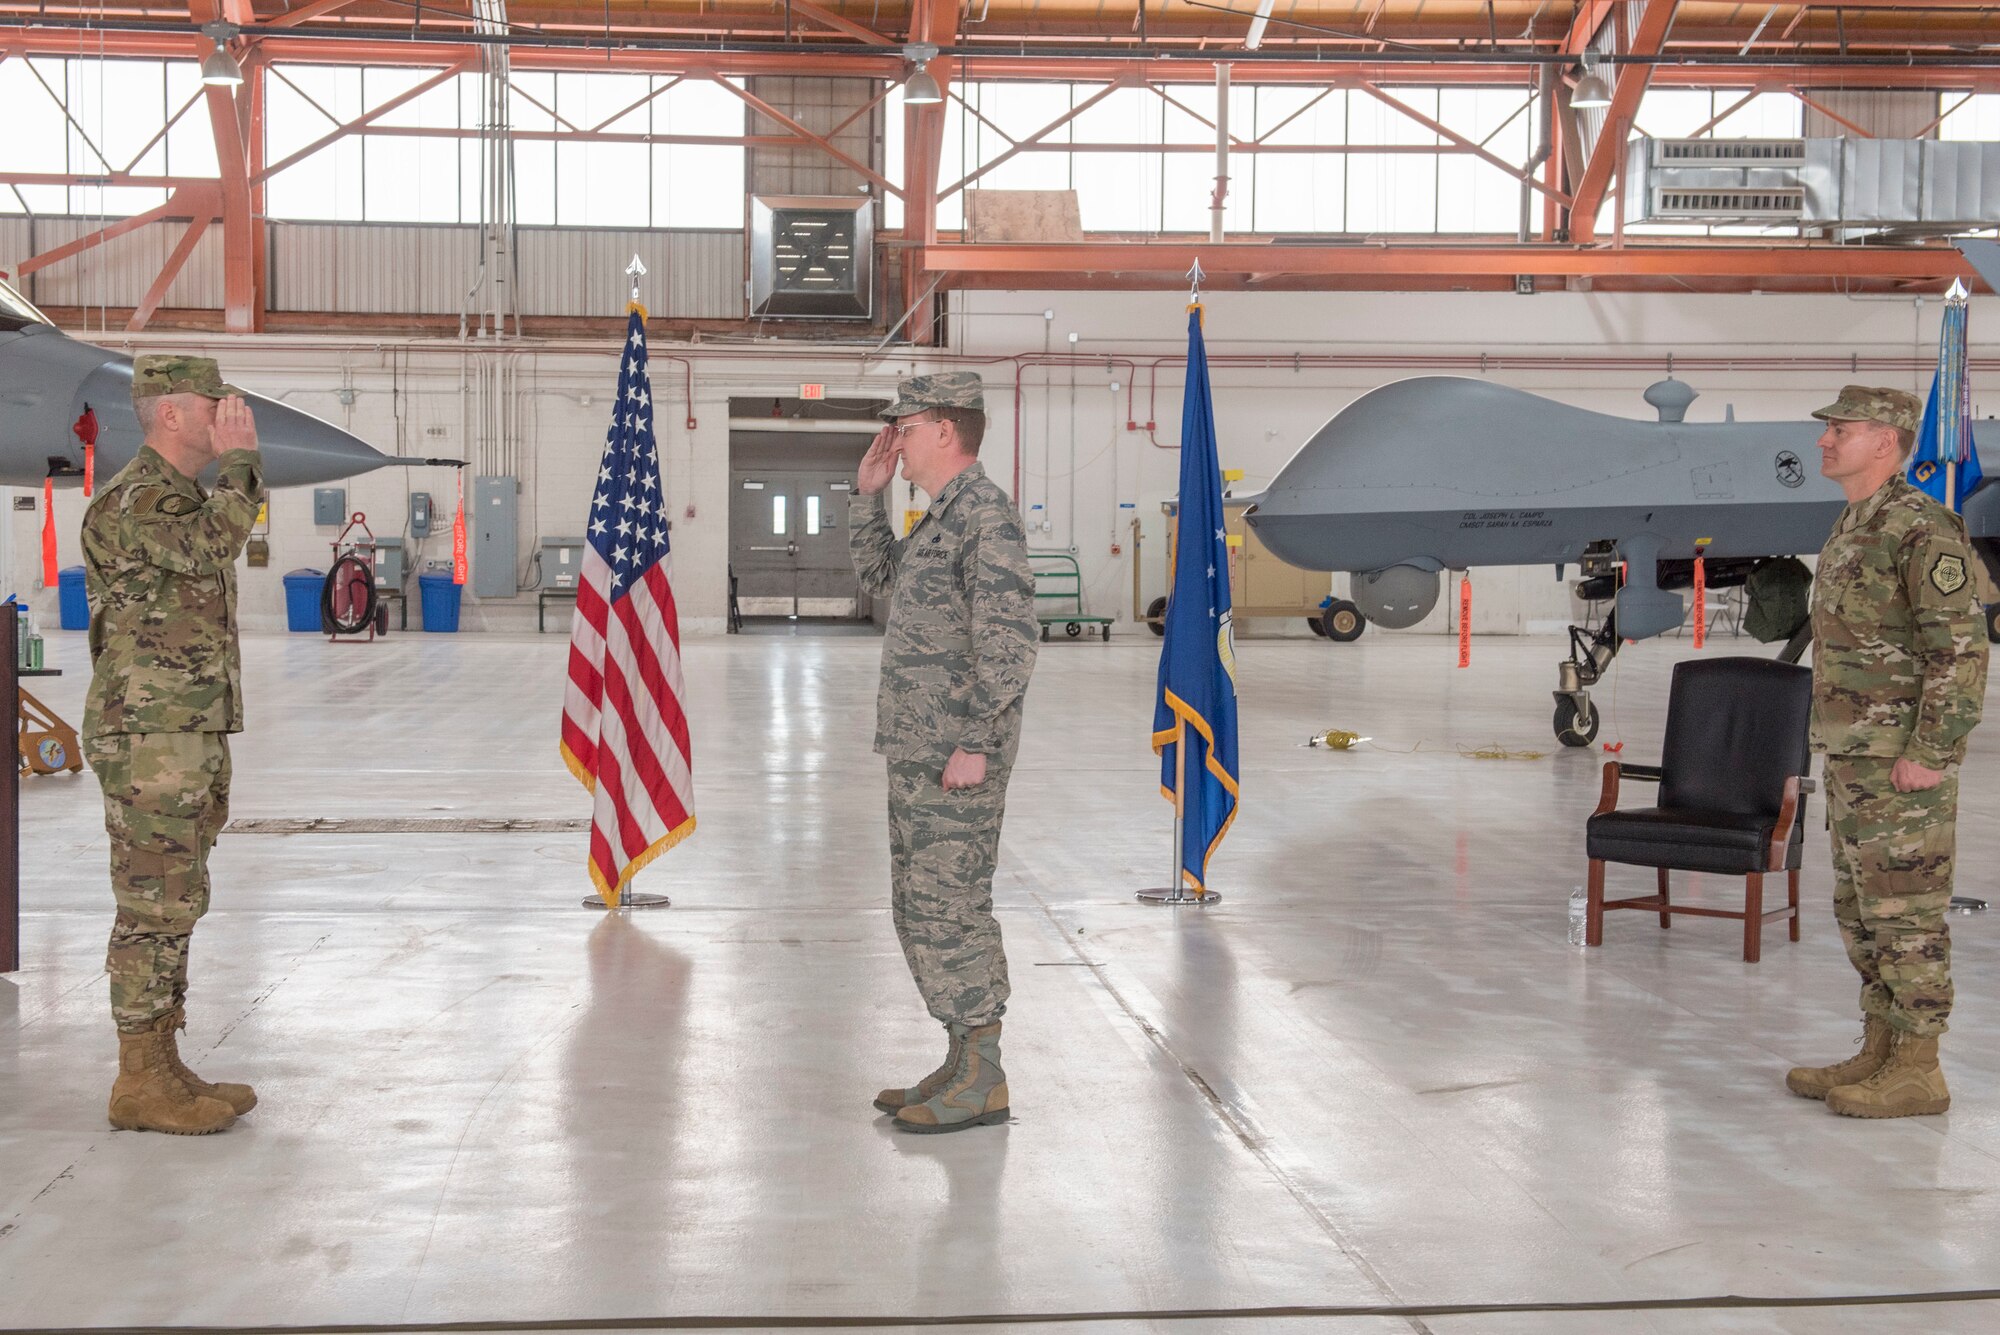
x=1445, y=473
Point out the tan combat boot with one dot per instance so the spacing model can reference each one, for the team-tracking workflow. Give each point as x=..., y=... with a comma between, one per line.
x=149, y=1096
x=975, y=1093
x=893, y=1100
x=1910, y=1084
x=240, y=1098
x=1814, y=1082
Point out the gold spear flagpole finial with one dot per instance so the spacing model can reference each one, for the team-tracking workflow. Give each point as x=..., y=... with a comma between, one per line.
x=1958, y=291
x=1195, y=275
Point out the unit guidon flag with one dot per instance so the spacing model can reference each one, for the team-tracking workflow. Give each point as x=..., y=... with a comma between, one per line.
x=624, y=727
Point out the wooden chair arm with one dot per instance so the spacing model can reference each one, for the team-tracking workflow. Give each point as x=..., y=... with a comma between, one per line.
x=1607, y=800
x=1781, y=833
x=1614, y=771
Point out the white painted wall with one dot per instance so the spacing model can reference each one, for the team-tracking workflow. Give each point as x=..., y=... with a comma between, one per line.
x=1078, y=462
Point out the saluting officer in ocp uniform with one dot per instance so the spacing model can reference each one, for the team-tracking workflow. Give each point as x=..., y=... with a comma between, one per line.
x=166, y=690
x=1899, y=679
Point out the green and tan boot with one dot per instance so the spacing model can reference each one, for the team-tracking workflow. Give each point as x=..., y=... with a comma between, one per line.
x=894, y=1100
x=149, y=1096
x=1815, y=1082
x=240, y=1098
x=1910, y=1084
x=975, y=1093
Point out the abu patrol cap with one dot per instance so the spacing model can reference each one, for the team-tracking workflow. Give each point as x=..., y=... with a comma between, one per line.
x=1860, y=403
x=940, y=389
x=161, y=373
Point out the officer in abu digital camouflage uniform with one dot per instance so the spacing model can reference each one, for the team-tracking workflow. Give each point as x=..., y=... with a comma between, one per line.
x=955, y=664
x=1899, y=677
x=159, y=564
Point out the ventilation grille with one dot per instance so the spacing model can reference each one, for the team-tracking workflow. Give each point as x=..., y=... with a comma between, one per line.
x=1710, y=202
x=813, y=250
x=812, y=257
x=1729, y=152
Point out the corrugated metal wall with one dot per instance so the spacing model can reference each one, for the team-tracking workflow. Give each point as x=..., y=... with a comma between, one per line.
x=391, y=269
x=117, y=273
x=819, y=105
x=371, y=268
x=695, y=275
x=1884, y=115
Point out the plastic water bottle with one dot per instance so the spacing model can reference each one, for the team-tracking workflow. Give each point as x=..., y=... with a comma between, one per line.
x=1579, y=914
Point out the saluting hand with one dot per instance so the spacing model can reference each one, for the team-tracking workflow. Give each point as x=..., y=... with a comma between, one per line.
x=235, y=428
x=878, y=466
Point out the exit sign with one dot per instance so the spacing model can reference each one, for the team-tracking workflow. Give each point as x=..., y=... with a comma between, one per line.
x=812, y=391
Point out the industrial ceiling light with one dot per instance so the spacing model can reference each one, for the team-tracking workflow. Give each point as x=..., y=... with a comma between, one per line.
x=921, y=90
x=1591, y=90
x=218, y=68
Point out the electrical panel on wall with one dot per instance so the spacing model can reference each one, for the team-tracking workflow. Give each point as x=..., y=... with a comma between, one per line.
x=812, y=255
x=420, y=514
x=495, y=519
x=330, y=505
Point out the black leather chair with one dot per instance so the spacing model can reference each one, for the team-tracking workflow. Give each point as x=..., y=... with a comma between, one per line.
x=1732, y=778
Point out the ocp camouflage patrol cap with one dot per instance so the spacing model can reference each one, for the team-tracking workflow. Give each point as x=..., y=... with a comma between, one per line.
x=161, y=373
x=1860, y=403
x=940, y=389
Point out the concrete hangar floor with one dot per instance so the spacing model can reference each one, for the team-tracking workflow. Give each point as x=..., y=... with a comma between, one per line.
x=1377, y=1074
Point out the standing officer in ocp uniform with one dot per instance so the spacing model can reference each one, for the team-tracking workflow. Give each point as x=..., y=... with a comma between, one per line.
x=1899, y=679
x=955, y=665
x=159, y=563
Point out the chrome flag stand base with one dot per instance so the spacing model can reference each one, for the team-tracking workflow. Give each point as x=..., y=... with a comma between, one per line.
x=630, y=899
x=1174, y=895
x=1177, y=893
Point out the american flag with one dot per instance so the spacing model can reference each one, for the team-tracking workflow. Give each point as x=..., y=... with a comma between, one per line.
x=624, y=730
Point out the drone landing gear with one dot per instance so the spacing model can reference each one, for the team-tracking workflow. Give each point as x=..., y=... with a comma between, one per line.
x=1576, y=718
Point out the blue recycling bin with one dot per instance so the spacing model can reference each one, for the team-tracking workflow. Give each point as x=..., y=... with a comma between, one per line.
x=75, y=603
x=440, y=598
x=302, y=590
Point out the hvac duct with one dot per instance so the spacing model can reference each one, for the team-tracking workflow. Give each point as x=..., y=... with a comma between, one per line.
x=1902, y=187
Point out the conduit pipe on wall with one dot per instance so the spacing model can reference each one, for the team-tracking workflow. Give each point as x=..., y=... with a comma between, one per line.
x=1545, y=99
x=1481, y=363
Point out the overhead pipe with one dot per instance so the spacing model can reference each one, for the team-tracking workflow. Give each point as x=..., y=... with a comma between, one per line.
x=1221, y=151
x=1545, y=82
x=872, y=57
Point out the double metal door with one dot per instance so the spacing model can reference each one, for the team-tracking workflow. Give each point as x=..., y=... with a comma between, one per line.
x=788, y=543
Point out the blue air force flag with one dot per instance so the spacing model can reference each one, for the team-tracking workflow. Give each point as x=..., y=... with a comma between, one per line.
x=1927, y=473
x=1196, y=706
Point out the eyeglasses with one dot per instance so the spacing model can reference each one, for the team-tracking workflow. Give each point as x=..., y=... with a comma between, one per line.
x=900, y=427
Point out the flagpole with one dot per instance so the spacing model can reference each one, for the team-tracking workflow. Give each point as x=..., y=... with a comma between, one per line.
x=628, y=898
x=1175, y=891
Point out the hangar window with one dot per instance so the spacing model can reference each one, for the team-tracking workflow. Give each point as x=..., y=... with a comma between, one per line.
x=1306, y=160
x=588, y=151
x=93, y=117
x=1971, y=116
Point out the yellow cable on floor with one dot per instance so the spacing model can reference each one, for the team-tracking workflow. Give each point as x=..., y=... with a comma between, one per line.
x=1501, y=753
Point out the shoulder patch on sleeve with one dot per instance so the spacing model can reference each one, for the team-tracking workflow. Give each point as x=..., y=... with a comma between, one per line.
x=1948, y=574
x=144, y=500
x=177, y=504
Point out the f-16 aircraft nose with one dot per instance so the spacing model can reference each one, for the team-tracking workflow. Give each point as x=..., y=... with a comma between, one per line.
x=302, y=450
x=54, y=390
